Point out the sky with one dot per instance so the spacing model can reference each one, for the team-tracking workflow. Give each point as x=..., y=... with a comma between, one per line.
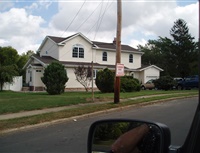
x=25, y=23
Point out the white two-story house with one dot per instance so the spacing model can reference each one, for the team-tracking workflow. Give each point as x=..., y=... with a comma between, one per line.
x=77, y=50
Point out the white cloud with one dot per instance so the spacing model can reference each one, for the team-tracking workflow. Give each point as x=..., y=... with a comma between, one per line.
x=150, y=18
x=134, y=43
x=141, y=21
x=18, y=29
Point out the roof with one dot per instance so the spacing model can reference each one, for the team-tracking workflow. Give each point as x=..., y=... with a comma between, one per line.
x=144, y=67
x=113, y=46
x=96, y=44
x=46, y=60
x=62, y=40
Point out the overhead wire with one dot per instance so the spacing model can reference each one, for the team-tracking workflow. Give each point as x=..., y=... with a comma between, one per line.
x=74, y=17
x=69, y=23
x=99, y=19
x=88, y=17
x=98, y=23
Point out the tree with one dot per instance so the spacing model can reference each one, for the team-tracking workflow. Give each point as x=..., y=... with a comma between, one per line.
x=8, y=56
x=105, y=80
x=55, y=78
x=22, y=61
x=8, y=65
x=84, y=76
x=177, y=56
x=129, y=84
x=184, y=46
x=7, y=74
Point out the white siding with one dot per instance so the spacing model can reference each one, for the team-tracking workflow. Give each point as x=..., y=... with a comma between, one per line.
x=50, y=49
x=66, y=50
x=111, y=57
x=72, y=82
x=136, y=60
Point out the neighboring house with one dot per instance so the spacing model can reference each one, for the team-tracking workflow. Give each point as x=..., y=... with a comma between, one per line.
x=78, y=50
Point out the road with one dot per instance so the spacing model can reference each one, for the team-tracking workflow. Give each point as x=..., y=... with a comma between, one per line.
x=71, y=136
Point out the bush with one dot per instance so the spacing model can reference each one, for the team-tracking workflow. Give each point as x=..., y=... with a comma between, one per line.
x=55, y=78
x=164, y=83
x=105, y=80
x=129, y=84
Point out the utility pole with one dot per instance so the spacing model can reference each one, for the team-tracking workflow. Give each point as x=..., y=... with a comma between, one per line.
x=118, y=51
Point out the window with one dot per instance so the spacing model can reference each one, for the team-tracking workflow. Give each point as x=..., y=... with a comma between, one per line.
x=104, y=56
x=78, y=51
x=131, y=58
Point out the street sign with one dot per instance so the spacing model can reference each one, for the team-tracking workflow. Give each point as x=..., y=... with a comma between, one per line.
x=119, y=70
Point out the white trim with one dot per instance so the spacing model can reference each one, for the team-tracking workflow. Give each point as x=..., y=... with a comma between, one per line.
x=114, y=50
x=77, y=34
x=150, y=67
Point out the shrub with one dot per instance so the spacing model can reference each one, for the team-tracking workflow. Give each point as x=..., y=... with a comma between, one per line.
x=105, y=80
x=164, y=83
x=55, y=78
x=129, y=84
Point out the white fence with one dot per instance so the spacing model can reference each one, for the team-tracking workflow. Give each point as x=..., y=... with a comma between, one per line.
x=15, y=86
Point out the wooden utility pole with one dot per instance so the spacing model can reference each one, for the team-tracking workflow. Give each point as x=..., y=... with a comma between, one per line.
x=118, y=51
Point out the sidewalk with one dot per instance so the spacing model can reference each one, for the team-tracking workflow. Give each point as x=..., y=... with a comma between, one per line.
x=57, y=109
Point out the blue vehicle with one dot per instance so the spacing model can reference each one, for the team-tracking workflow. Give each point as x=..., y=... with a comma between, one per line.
x=189, y=82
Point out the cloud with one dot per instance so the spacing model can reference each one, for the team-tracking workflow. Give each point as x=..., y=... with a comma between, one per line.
x=135, y=42
x=25, y=27
x=18, y=29
x=150, y=18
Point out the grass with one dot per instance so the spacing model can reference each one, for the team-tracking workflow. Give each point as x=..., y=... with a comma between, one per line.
x=12, y=102
x=38, y=97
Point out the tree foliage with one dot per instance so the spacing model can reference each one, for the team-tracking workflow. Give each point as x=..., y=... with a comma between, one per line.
x=7, y=73
x=129, y=84
x=165, y=83
x=55, y=78
x=105, y=80
x=8, y=65
x=177, y=56
x=84, y=76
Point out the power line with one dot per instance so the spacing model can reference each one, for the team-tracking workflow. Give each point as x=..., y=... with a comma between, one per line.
x=70, y=23
x=100, y=20
x=74, y=17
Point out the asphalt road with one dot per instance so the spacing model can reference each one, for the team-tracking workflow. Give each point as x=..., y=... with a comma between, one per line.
x=71, y=136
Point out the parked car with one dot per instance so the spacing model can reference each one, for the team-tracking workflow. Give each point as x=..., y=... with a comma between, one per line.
x=188, y=82
x=148, y=85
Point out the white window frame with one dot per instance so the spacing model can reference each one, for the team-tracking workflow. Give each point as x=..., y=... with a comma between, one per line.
x=130, y=58
x=79, y=53
x=104, y=56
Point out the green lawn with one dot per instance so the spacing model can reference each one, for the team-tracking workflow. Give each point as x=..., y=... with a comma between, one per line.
x=11, y=102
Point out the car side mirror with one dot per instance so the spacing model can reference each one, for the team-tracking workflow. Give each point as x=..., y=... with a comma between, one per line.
x=128, y=136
